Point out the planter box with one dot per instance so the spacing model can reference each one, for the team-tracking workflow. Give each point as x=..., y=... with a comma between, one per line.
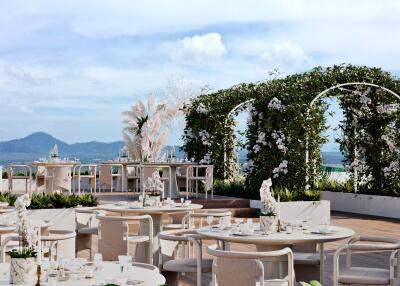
x=317, y=210
x=384, y=206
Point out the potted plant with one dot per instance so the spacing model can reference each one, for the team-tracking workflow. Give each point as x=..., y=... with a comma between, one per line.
x=312, y=283
x=270, y=208
x=268, y=221
x=23, y=265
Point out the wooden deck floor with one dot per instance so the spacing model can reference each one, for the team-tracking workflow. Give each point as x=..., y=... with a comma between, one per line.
x=362, y=225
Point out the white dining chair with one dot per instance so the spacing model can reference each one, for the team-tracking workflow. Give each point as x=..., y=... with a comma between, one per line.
x=174, y=259
x=85, y=172
x=107, y=176
x=246, y=268
x=60, y=243
x=19, y=172
x=116, y=233
x=352, y=274
x=133, y=174
x=200, y=173
x=177, y=220
x=86, y=228
x=196, y=219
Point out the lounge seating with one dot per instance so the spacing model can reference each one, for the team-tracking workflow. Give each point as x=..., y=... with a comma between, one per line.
x=246, y=269
x=351, y=274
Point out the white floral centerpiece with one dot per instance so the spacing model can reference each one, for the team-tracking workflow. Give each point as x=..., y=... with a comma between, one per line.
x=270, y=208
x=154, y=187
x=23, y=265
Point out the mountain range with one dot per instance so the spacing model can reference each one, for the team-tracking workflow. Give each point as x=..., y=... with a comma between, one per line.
x=38, y=145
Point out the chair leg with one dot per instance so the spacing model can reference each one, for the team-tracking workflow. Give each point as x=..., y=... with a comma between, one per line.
x=187, y=189
x=322, y=262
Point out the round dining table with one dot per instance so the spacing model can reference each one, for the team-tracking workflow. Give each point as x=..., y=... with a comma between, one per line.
x=156, y=212
x=275, y=241
x=140, y=274
x=62, y=175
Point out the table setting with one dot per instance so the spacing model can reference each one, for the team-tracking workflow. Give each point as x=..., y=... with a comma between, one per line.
x=80, y=271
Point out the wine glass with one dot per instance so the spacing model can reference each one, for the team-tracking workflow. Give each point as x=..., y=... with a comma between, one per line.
x=124, y=261
x=210, y=220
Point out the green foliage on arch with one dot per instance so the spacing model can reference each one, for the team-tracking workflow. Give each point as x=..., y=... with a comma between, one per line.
x=278, y=127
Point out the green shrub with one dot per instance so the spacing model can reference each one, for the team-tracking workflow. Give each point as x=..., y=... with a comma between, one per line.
x=60, y=200
x=8, y=198
x=237, y=189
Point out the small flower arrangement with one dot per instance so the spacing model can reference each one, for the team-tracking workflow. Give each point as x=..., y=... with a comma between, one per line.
x=28, y=236
x=153, y=185
x=268, y=213
x=54, y=152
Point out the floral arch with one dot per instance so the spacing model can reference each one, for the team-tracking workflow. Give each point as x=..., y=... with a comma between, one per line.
x=287, y=120
x=364, y=100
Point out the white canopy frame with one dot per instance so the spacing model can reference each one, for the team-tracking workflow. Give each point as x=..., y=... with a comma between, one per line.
x=225, y=123
x=321, y=94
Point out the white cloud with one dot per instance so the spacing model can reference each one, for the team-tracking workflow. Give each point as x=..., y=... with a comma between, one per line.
x=285, y=55
x=196, y=49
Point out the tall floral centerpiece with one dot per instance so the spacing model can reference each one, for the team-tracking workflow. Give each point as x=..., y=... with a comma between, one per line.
x=270, y=208
x=147, y=127
x=23, y=265
x=154, y=186
x=53, y=154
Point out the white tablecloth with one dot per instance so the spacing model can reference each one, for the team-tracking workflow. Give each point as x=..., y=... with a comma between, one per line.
x=110, y=269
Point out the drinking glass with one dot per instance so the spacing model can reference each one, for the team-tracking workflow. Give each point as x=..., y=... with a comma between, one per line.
x=52, y=278
x=182, y=201
x=250, y=222
x=289, y=228
x=98, y=260
x=210, y=220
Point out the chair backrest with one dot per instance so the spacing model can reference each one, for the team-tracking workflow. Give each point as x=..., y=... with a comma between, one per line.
x=197, y=218
x=133, y=171
x=105, y=175
x=245, y=268
x=85, y=217
x=169, y=242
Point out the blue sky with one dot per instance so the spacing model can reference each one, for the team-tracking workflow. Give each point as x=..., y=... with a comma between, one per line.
x=71, y=67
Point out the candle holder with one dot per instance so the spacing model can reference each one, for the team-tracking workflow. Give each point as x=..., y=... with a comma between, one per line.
x=38, y=275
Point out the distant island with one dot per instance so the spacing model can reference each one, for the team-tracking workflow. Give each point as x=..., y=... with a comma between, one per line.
x=38, y=144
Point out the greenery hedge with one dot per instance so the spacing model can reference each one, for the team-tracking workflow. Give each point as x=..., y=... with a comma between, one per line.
x=53, y=200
